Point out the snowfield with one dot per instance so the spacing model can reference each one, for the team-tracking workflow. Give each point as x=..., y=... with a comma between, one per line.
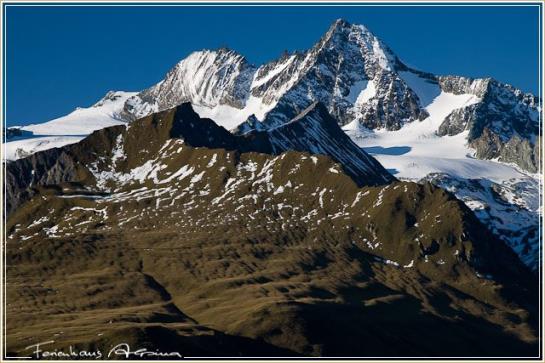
x=230, y=117
x=21, y=148
x=83, y=121
x=415, y=150
x=68, y=129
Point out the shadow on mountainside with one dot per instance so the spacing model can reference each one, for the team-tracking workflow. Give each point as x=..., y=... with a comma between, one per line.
x=393, y=150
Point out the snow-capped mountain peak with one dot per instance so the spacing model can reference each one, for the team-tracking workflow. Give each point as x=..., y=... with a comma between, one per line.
x=373, y=50
x=347, y=62
x=207, y=78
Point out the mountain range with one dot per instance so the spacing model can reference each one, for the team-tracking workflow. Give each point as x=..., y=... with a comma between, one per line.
x=250, y=207
x=418, y=125
x=356, y=76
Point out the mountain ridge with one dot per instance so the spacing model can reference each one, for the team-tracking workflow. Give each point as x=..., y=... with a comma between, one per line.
x=168, y=239
x=322, y=136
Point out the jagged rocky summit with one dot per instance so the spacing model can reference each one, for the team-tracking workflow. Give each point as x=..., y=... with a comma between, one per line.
x=358, y=78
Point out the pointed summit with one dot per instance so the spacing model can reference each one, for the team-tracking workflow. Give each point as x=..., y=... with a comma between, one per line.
x=222, y=85
x=343, y=35
x=339, y=24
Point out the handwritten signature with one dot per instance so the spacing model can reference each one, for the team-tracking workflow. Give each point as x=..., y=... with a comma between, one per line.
x=120, y=350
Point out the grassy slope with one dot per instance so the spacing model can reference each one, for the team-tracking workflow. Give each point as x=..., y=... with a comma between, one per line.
x=183, y=265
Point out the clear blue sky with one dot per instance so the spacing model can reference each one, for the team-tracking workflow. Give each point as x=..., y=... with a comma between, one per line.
x=59, y=58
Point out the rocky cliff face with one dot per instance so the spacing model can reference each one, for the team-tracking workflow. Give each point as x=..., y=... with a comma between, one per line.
x=347, y=60
x=503, y=126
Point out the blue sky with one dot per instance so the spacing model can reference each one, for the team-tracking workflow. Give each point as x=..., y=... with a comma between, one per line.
x=59, y=58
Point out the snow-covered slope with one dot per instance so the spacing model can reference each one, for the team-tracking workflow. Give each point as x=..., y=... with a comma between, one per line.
x=349, y=70
x=70, y=128
x=401, y=149
x=83, y=121
x=217, y=83
x=18, y=149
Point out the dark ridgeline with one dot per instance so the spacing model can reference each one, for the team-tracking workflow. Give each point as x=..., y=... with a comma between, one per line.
x=313, y=131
